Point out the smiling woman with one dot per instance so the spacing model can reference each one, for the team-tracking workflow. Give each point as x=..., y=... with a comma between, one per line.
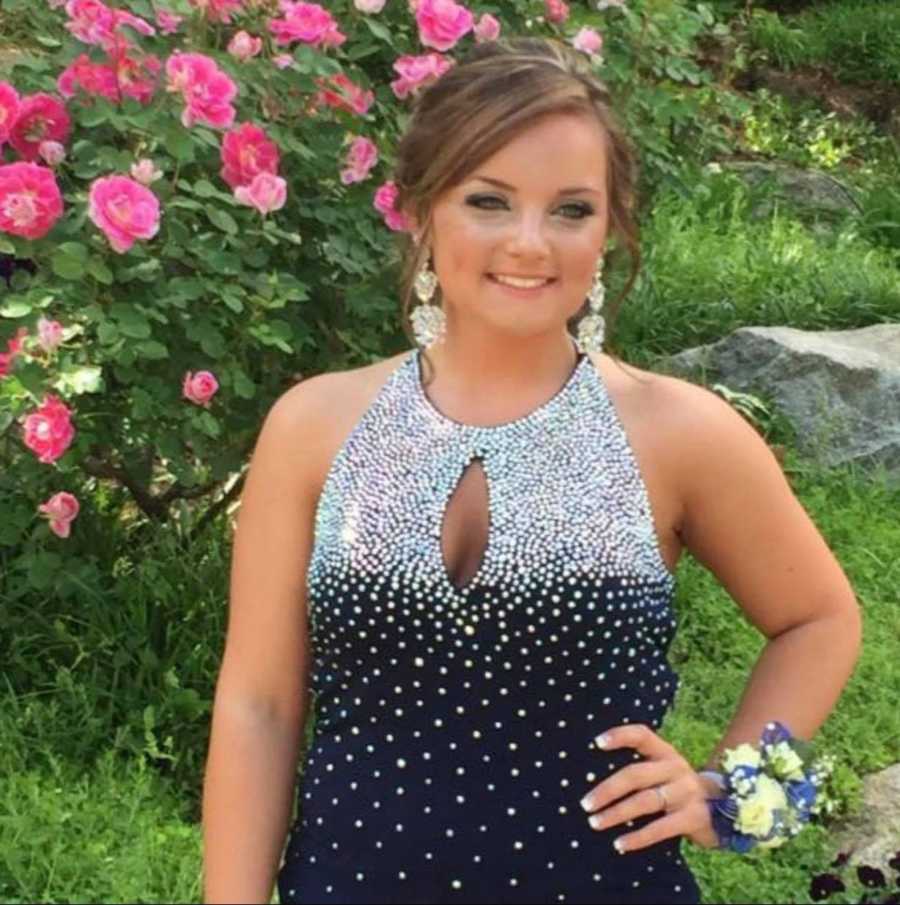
x=487, y=558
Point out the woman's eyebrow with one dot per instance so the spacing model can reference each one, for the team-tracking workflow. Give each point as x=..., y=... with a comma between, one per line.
x=571, y=190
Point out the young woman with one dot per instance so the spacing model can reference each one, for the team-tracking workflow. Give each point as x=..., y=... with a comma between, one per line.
x=463, y=556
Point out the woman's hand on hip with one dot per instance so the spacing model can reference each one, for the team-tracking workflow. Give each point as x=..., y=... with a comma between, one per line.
x=663, y=782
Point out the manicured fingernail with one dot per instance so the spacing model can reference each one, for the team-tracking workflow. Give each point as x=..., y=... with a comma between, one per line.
x=619, y=846
x=601, y=741
x=595, y=820
x=586, y=804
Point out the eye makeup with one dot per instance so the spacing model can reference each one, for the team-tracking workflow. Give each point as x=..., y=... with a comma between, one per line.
x=487, y=202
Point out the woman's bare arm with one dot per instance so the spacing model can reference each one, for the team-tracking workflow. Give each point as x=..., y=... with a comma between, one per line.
x=744, y=523
x=261, y=699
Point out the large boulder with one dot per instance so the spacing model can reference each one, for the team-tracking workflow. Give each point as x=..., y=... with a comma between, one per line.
x=872, y=837
x=840, y=390
x=804, y=188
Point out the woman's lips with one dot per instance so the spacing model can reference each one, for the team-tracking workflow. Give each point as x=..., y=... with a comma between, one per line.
x=522, y=292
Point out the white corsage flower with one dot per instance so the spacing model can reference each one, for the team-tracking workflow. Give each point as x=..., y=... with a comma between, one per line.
x=756, y=814
x=743, y=756
x=785, y=762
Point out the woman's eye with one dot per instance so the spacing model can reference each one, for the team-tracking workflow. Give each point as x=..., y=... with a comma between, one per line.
x=575, y=210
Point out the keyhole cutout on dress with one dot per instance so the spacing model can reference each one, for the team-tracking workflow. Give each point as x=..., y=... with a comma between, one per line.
x=465, y=526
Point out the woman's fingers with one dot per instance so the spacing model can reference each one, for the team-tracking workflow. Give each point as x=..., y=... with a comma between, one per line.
x=691, y=821
x=627, y=780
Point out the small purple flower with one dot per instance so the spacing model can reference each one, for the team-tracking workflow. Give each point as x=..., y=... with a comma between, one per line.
x=871, y=877
x=825, y=885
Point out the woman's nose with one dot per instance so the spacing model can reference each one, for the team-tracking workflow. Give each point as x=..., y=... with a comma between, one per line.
x=529, y=236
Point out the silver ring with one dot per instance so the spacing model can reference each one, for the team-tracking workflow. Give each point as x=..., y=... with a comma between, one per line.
x=664, y=801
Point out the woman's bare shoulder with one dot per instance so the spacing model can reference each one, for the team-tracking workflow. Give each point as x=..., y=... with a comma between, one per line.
x=318, y=413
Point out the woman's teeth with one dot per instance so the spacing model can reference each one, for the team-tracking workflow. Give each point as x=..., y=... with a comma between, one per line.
x=519, y=282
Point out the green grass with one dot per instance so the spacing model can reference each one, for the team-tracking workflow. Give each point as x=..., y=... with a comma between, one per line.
x=858, y=40
x=113, y=833
x=710, y=268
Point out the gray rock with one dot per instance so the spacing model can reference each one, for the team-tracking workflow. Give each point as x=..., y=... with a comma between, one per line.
x=806, y=188
x=872, y=837
x=840, y=390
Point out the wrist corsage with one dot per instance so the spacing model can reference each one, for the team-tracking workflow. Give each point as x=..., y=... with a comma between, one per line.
x=769, y=792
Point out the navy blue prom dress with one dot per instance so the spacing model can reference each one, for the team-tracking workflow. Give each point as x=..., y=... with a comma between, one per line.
x=454, y=725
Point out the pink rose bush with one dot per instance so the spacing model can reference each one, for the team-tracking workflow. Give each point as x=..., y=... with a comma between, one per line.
x=362, y=156
x=249, y=105
x=556, y=11
x=48, y=432
x=244, y=46
x=442, y=23
x=145, y=171
x=308, y=23
x=487, y=29
x=61, y=509
x=124, y=210
x=385, y=197
x=207, y=91
x=417, y=72
x=13, y=350
x=50, y=334
x=199, y=388
x=168, y=21
x=40, y=117
x=341, y=93
x=218, y=10
x=588, y=41
x=30, y=200
x=266, y=192
x=9, y=110
x=246, y=152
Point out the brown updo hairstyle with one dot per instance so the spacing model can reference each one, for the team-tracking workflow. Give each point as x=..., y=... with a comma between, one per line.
x=496, y=91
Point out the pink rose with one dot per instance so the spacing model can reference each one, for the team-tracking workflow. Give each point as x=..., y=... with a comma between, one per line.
x=416, y=72
x=361, y=157
x=282, y=60
x=61, y=509
x=246, y=152
x=199, y=388
x=306, y=22
x=218, y=10
x=340, y=92
x=50, y=334
x=41, y=118
x=168, y=22
x=52, y=153
x=141, y=26
x=244, y=46
x=124, y=210
x=588, y=41
x=145, y=171
x=556, y=11
x=9, y=110
x=92, y=78
x=49, y=431
x=487, y=29
x=369, y=6
x=91, y=21
x=207, y=91
x=266, y=193
x=137, y=76
x=384, y=201
x=442, y=23
x=30, y=200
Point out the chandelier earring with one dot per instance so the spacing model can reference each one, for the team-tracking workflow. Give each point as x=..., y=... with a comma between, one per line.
x=592, y=327
x=428, y=321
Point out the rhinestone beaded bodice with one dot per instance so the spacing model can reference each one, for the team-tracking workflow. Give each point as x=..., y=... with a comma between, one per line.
x=455, y=725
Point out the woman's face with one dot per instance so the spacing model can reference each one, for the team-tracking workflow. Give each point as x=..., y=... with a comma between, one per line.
x=536, y=208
